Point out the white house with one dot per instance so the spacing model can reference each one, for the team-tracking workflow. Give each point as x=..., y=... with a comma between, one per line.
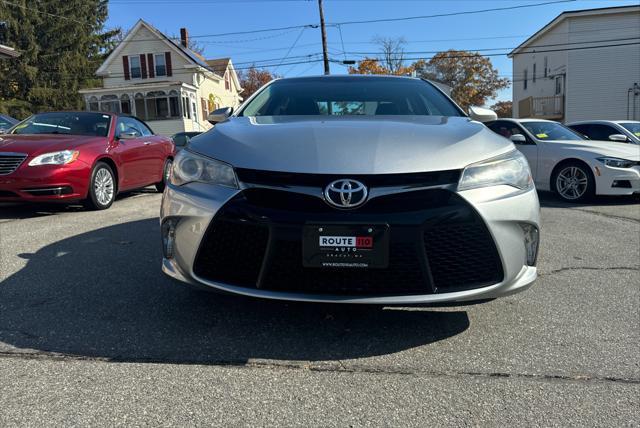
x=163, y=82
x=585, y=64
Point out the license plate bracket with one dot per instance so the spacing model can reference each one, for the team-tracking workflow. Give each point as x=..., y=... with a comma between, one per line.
x=345, y=246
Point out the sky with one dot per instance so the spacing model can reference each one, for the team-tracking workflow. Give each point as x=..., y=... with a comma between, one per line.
x=206, y=20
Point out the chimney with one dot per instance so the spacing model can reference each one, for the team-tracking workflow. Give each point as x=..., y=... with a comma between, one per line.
x=184, y=37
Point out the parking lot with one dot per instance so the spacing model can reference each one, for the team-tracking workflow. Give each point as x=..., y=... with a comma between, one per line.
x=92, y=332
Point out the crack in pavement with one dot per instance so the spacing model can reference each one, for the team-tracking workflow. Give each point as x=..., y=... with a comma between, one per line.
x=596, y=268
x=339, y=368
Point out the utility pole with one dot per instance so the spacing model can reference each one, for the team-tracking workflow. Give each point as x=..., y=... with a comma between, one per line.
x=324, y=39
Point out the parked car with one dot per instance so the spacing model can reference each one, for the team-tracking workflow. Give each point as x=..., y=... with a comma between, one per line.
x=351, y=189
x=6, y=122
x=181, y=139
x=71, y=156
x=623, y=131
x=565, y=162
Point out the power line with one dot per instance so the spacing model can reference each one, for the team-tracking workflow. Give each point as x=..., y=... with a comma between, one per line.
x=442, y=15
x=511, y=48
x=289, y=51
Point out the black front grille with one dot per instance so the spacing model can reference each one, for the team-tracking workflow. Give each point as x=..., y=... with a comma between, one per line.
x=413, y=179
x=10, y=162
x=462, y=255
x=438, y=243
x=7, y=194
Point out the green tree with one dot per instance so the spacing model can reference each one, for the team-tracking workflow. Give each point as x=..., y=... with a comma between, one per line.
x=62, y=43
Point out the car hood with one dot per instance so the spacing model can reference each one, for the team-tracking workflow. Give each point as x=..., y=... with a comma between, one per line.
x=350, y=145
x=601, y=148
x=34, y=145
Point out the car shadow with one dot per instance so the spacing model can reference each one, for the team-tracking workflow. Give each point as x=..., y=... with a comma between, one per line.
x=21, y=210
x=101, y=294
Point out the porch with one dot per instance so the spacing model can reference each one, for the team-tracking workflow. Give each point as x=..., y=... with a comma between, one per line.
x=167, y=108
x=551, y=108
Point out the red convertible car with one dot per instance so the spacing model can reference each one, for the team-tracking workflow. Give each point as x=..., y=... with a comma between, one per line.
x=81, y=156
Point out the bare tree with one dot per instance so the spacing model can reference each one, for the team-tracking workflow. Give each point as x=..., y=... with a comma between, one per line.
x=392, y=52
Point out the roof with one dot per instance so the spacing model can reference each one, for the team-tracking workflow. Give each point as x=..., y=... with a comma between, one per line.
x=571, y=14
x=6, y=51
x=219, y=66
x=190, y=55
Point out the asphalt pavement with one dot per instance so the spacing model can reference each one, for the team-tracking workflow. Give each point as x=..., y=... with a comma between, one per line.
x=92, y=333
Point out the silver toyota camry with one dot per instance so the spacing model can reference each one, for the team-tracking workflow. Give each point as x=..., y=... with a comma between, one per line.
x=353, y=189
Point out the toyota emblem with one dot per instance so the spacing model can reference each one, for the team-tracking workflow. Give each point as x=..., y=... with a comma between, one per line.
x=345, y=193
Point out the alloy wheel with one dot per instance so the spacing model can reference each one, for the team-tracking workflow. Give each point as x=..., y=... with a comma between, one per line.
x=572, y=182
x=103, y=186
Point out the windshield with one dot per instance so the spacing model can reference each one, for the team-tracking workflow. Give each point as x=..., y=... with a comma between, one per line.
x=551, y=131
x=350, y=96
x=83, y=123
x=5, y=123
x=633, y=127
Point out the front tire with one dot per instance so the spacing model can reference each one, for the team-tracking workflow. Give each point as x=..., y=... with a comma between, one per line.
x=166, y=172
x=574, y=182
x=102, y=187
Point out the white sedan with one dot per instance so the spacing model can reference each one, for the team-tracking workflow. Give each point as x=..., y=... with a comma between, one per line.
x=562, y=161
x=624, y=131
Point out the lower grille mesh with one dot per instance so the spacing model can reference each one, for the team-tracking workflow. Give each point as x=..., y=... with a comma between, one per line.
x=403, y=275
x=462, y=255
x=260, y=246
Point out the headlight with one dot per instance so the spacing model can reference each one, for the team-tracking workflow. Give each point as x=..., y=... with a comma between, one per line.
x=511, y=169
x=189, y=167
x=55, y=158
x=616, y=162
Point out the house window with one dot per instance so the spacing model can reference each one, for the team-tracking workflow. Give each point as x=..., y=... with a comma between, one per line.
x=134, y=67
x=526, y=73
x=94, y=105
x=533, y=78
x=141, y=110
x=125, y=104
x=227, y=83
x=174, y=104
x=186, y=112
x=110, y=103
x=546, y=66
x=161, y=65
x=157, y=105
x=558, y=85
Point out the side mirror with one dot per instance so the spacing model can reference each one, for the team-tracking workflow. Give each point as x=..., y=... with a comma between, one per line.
x=618, y=137
x=482, y=114
x=127, y=135
x=518, y=139
x=219, y=115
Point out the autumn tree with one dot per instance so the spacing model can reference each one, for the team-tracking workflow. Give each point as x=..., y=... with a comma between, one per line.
x=472, y=77
x=391, y=59
x=60, y=49
x=503, y=108
x=253, y=79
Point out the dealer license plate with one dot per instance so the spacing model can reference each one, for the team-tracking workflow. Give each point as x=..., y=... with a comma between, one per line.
x=345, y=246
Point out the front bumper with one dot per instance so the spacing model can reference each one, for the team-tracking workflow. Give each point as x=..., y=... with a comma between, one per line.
x=617, y=181
x=194, y=206
x=46, y=183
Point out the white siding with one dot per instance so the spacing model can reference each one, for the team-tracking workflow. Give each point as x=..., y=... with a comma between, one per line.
x=556, y=65
x=599, y=79
x=146, y=42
